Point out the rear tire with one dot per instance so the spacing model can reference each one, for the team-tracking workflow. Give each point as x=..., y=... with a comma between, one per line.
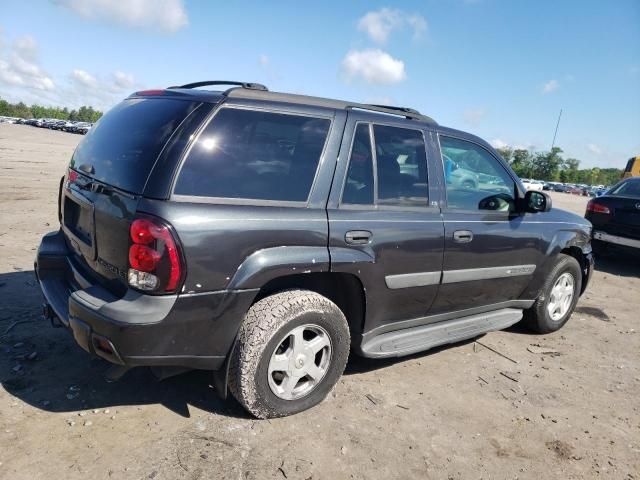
x=291, y=350
x=553, y=307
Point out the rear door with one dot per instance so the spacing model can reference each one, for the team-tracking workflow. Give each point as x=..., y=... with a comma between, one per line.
x=384, y=220
x=490, y=252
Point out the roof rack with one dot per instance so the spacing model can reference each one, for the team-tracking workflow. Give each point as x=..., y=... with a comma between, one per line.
x=400, y=109
x=406, y=112
x=206, y=83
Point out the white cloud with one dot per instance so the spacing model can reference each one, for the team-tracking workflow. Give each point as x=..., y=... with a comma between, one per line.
x=474, y=116
x=498, y=143
x=122, y=80
x=374, y=66
x=264, y=60
x=595, y=149
x=550, y=86
x=379, y=24
x=85, y=79
x=101, y=91
x=163, y=15
x=19, y=66
x=22, y=78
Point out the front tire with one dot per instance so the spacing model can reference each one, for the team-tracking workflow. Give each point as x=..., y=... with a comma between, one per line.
x=557, y=298
x=291, y=350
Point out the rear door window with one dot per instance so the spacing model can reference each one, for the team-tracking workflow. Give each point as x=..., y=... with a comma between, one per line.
x=359, y=185
x=247, y=154
x=401, y=166
x=123, y=146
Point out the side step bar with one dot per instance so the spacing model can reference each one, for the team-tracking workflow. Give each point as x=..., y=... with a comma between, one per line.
x=424, y=337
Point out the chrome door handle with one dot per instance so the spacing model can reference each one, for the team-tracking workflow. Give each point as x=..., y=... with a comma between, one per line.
x=462, y=236
x=358, y=237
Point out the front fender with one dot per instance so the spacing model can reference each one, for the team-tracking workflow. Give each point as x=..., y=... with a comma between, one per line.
x=267, y=264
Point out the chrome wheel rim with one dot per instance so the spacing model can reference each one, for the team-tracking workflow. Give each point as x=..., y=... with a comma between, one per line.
x=299, y=362
x=561, y=296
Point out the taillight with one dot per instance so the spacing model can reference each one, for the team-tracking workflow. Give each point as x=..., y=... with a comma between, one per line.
x=154, y=258
x=595, y=207
x=72, y=176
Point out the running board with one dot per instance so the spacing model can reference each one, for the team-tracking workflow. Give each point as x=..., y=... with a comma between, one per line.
x=424, y=337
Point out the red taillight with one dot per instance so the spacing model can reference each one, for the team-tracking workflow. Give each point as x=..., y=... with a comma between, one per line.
x=154, y=257
x=596, y=207
x=143, y=258
x=143, y=231
x=72, y=176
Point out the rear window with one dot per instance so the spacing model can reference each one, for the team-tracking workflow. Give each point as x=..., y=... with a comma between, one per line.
x=630, y=188
x=124, y=145
x=254, y=155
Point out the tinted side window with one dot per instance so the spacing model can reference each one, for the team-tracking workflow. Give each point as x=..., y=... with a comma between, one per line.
x=254, y=155
x=475, y=179
x=358, y=188
x=401, y=166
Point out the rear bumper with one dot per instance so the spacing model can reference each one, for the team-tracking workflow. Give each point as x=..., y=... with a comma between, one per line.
x=192, y=331
x=615, y=239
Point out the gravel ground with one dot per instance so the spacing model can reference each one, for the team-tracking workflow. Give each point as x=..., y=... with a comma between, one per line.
x=564, y=405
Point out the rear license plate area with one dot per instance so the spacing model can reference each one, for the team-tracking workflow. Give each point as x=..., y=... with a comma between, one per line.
x=78, y=218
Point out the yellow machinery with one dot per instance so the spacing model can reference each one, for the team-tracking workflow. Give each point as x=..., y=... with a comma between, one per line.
x=633, y=168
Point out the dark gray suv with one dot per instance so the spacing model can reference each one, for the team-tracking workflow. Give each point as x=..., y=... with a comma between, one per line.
x=266, y=235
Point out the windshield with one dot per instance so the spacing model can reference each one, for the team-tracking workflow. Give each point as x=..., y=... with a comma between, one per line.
x=122, y=147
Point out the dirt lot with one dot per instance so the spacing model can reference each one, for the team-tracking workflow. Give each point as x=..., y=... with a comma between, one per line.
x=456, y=412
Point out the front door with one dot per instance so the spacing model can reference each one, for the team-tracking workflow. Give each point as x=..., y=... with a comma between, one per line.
x=490, y=252
x=384, y=226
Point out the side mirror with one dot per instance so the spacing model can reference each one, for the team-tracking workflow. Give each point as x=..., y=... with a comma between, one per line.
x=535, y=201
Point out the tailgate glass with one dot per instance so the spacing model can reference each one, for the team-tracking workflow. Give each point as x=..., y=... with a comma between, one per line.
x=121, y=149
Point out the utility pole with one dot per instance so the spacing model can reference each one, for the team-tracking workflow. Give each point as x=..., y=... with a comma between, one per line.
x=556, y=132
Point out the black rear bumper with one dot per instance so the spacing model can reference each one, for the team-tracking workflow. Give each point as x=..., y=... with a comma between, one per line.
x=192, y=331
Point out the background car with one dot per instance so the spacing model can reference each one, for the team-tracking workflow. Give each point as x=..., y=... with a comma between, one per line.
x=459, y=175
x=532, y=184
x=616, y=216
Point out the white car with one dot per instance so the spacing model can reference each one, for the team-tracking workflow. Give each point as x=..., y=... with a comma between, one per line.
x=532, y=184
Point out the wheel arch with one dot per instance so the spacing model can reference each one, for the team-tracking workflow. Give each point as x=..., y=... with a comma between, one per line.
x=343, y=289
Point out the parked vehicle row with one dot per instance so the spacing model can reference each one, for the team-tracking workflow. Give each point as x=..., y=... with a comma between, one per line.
x=576, y=189
x=56, y=124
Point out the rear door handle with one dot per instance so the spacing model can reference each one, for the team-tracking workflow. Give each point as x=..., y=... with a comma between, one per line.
x=462, y=236
x=358, y=237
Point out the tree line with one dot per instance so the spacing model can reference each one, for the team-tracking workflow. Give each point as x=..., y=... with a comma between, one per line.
x=21, y=110
x=551, y=166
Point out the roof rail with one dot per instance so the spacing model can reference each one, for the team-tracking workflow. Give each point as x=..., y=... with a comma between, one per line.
x=247, y=85
x=406, y=112
x=401, y=109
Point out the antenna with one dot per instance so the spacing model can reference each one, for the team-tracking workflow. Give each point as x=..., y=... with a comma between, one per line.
x=556, y=132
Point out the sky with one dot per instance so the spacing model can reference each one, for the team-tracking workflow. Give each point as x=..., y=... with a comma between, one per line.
x=501, y=69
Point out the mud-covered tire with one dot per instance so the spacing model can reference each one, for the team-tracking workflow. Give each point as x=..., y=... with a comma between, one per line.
x=537, y=318
x=265, y=324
